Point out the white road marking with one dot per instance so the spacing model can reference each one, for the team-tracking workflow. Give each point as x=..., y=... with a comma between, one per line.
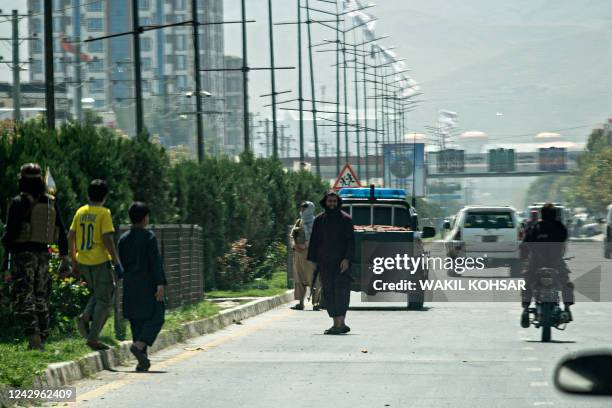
x=538, y=384
x=534, y=369
x=543, y=404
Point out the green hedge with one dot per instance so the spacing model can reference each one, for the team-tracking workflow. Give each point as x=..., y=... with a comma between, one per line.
x=252, y=199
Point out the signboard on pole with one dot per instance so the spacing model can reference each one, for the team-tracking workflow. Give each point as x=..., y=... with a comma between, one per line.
x=405, y=167
x=346, y=178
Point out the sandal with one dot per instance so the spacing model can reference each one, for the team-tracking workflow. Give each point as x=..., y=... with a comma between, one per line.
x=334, y=330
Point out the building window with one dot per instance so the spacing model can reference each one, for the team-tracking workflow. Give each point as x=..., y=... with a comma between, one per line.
x=180, y=62
x=95, y=46
x=180, y=43
x=36, y=5
x=96, y=85
x=181, y=82
x=145, y=21
x=37, y=67
x=179, y=5
x=36, y=45
x=96, y=65
x=60, y=23
x=95, y=24
x=143, y=4
x=96, y=6
x=145, y=64
x=146, y=44
x=36, y=25
x=57, y=45
x=146, y=86
x=99, y=103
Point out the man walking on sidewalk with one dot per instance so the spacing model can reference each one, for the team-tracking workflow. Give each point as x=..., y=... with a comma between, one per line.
x=332, y=247
x=303, y=269
x=92, y=249
x=143, y=283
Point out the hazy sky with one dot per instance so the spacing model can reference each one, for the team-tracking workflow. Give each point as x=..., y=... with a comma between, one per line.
x=544, y=64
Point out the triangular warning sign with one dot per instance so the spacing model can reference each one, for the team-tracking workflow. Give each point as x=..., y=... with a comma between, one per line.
x=346, y=178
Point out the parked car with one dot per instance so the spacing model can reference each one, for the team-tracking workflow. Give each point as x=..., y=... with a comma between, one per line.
x=491, y=232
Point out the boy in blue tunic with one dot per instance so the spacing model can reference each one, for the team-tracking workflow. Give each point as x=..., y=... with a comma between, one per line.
x=143, y=283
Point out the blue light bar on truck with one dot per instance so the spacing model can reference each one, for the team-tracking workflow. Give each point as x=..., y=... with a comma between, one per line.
x=388, y=193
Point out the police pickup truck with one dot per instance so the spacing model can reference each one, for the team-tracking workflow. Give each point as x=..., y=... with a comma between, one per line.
x=385, y=224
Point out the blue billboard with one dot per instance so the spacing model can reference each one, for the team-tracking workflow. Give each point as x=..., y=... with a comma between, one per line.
x=404, y=165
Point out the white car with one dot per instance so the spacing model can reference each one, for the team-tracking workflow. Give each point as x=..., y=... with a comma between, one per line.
x=491, y=232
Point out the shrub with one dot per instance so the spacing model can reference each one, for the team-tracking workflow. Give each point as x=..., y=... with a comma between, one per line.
x=275, y=257
x=68, y=297
x=235, y=266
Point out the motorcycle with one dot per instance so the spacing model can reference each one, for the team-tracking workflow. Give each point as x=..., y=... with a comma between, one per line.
x=547, y=313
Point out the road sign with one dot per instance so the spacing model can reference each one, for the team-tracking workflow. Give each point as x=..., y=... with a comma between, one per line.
x=552, y=159
x=451, y=161
x=502, y=160
x=346, y=178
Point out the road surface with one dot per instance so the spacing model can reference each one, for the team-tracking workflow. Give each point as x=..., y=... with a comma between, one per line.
x=449, y=355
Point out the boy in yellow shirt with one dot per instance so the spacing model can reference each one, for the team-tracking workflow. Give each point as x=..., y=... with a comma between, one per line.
x=92, y=249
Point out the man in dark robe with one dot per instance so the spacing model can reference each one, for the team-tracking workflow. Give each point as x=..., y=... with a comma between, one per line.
x=332, y=247
x=143, y=283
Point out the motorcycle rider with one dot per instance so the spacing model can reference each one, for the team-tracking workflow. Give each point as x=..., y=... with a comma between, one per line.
x=544, y=246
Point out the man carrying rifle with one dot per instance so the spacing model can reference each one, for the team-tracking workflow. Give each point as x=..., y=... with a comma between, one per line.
x=303, y=269
x=33, y=224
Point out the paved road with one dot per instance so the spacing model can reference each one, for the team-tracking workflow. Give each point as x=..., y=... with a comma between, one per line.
x=450, y=355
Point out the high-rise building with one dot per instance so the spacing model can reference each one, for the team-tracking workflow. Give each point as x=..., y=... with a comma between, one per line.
x=101, y=72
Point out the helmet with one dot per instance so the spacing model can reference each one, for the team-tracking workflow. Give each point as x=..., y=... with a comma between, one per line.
x=30, y=171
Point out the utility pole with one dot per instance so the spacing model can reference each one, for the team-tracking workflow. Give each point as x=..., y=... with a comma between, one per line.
x=273, y=82
x=338, y=90
x=76, y=27
x=49, y=78
x=137, y=72
x=313, y=94
x=300, y=91
x=15, y=64
x=198, y=79
x=357, y=136
x=245, y=80
x=267, y=133
x=16, y=68
x=365, y=116
x=346, y=136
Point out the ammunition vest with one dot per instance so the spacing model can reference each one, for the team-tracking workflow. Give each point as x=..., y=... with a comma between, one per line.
x=298, y=234
x=39, y=223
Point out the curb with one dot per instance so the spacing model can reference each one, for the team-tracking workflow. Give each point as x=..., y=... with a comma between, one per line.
x=585, y=239
x=62, y=374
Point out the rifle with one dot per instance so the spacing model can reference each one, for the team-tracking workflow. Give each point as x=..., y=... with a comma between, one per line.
x=313, y=288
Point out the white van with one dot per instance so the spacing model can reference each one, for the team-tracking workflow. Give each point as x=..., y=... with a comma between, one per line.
x=493, y=233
